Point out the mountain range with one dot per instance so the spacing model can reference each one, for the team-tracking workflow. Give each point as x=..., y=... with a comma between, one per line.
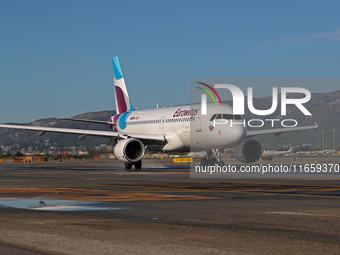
x=325, y=109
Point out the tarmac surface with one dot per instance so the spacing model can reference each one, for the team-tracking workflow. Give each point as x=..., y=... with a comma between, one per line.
x=87, y=207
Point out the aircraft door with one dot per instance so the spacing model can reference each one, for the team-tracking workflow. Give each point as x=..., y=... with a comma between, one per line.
x=161, y=123
x=198, y=123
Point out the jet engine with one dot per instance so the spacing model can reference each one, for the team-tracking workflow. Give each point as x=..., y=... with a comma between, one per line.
x=129, y=150
x=250, y=150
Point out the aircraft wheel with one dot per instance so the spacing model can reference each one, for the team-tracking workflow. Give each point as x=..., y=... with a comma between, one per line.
x=204, y=161
x=212, y=161
x=138, y=165
x=128, y=166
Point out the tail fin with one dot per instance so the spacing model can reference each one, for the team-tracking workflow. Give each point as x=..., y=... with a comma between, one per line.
x=122, y=97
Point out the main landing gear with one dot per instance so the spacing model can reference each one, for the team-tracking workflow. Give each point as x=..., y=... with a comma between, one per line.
x=138, y=165
x=210, y=160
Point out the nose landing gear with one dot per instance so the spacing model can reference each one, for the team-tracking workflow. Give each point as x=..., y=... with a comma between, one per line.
x=211, y=160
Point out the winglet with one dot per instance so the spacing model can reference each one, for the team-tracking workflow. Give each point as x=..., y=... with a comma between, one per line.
x=316, y=124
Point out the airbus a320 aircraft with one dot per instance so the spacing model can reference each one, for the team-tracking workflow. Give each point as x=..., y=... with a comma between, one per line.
x=179, y=128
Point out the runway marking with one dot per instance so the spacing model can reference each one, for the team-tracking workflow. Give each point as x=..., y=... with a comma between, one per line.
x=172, y=191
x=103, y=173
x=301, y=214
x=331, y=191
x=149, y=173
x=94, y=195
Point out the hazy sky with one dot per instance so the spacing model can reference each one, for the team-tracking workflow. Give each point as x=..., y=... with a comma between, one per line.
x=56, y=56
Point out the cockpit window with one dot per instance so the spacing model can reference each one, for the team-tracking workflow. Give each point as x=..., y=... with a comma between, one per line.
x=213, y=117
x=225, y=117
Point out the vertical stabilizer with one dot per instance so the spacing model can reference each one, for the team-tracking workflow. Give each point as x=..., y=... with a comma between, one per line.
x=122, y=97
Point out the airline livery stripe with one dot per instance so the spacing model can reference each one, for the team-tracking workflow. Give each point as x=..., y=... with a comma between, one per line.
x=117, y=69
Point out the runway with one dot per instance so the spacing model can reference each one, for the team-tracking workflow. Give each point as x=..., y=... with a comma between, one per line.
x=87, y=207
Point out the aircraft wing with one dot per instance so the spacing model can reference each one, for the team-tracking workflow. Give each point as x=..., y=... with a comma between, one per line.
x=146, y=138
x=279, y=131
x=84, y=120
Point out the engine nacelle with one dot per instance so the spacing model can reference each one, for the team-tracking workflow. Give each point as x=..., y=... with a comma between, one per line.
x=129, y=150
x=250, y=150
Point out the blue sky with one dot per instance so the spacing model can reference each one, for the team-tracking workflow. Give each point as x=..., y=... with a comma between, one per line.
x=56, y=56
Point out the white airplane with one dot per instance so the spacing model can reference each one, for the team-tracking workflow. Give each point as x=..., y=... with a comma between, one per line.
x=178, y=128
x=278, y=153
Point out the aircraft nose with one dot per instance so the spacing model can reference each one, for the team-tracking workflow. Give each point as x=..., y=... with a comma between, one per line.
x=238, y=133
